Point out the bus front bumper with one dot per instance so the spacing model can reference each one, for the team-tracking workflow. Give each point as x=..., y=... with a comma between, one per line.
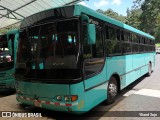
x=7, y=84
x=70, y=107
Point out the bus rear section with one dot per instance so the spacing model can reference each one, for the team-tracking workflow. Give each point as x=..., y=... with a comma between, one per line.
x=8, y=49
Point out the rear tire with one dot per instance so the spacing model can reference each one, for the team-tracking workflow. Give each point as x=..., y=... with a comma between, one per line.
x=112, y=90
x=149, y=69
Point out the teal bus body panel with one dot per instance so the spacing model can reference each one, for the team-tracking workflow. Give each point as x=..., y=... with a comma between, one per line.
x=129, y=67
x=6, y=79
x=95, y=96
x=7, y=74
x=78, y=89
x=15, y=31
x=97, y=79
x=44, y=90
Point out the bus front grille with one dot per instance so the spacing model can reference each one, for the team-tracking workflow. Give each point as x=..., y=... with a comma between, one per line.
x=2, y=74
x=2, y=84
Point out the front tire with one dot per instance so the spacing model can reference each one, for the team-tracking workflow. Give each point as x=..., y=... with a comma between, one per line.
x=112, y=90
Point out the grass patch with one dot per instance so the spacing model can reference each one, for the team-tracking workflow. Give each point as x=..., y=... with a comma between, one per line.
x=158, y=45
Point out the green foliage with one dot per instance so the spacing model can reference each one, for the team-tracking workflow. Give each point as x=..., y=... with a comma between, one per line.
x=144, y=15
x=113, y=15
x=150, y=16
x=133, y=17
x=100, y=11
x=3, y=31
x=158, y=45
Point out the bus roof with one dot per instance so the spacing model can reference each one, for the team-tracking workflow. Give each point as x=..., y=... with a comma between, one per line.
x=77, y=11
x=13, y=31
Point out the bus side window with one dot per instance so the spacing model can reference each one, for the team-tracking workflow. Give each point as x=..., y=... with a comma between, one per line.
x=93, y=54
x=122, y=35
x=118, y=34
x=126, y=44
x=142, y=47
x=135, y=43
x=112, y=33
x=107, y=32
x=113, y=44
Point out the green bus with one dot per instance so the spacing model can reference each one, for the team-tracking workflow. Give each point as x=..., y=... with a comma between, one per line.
x=72, y=58
x=8, y=49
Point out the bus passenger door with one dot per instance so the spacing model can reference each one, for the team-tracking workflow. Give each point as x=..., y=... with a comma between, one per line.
x=94, y=72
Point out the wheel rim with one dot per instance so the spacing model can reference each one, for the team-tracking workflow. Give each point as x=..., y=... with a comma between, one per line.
x=112, y=90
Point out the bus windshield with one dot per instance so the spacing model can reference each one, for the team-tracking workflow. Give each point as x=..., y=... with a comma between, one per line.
x=6, y=59
x=49, y=51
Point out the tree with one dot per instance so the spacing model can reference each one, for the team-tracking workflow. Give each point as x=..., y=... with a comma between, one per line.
x=115, y=15
x=150, y=16
x=100, y=11
x=133, y=17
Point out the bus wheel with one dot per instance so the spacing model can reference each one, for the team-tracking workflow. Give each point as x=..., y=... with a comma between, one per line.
x=112, y=90
x=149, y=69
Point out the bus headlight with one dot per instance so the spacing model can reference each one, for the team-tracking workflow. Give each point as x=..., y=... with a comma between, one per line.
x=66, y=98
x=59, y=98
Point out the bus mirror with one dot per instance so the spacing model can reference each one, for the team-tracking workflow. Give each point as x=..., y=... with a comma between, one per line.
x=84, y=18
x=91, y=34
x=10, y=46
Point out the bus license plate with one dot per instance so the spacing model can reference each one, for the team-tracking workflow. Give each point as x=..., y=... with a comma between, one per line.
x=37, y=104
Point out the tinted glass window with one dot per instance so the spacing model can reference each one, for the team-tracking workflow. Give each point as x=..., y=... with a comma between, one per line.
x=126, y=36
x=134, y=38
x=122, y=35
x=142, y=48
x=142, y=40
x=127, y=48
x=107, y=32
x=113, y=48
x=49, y=51
x=93, y=54
x=135, y=48
x=118, y=34
x=147, y=48
x=112, y=33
